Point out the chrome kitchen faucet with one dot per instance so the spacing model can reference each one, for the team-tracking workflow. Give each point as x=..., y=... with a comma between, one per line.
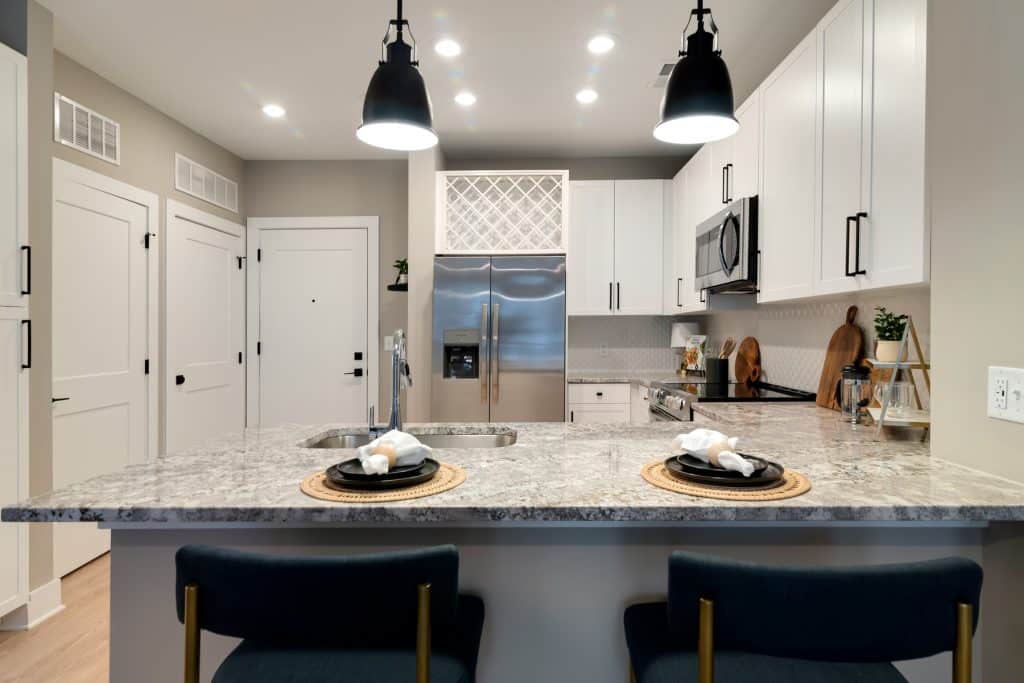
x=399, y=376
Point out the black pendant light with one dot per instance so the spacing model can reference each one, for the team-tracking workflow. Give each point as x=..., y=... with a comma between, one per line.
x=697, y=106
x=396, y=110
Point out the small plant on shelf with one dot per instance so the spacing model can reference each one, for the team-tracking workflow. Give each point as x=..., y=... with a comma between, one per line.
x=402, y=266
x=889, y=329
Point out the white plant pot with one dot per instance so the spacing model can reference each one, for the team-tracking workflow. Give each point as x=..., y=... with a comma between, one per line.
x=887, y=351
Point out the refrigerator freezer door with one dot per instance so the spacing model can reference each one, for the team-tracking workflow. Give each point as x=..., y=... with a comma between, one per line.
x=527, y=339
x=460, y=354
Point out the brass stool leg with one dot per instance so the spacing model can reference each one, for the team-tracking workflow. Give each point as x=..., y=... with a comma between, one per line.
x=962, y=653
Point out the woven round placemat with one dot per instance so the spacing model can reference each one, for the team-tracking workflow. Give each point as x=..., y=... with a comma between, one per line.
x=447, y=478
x=793, y=484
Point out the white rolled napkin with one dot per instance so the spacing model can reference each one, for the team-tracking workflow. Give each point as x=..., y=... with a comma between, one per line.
x=408, y=451
x=699, y=443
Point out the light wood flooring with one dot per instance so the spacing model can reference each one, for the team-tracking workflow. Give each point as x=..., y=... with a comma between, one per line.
x=71, y=647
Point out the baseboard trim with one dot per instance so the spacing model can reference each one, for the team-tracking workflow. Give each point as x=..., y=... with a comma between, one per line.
x=43, y=603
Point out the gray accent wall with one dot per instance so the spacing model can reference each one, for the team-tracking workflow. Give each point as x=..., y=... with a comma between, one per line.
x=14, y=24
x=595, y=168
x=344, y=188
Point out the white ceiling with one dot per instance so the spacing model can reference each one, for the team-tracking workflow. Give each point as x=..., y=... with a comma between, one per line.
x=211, y=64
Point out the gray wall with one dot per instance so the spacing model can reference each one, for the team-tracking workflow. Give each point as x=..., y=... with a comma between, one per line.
x=14, y=24
x=598, y=168
x=343, y=188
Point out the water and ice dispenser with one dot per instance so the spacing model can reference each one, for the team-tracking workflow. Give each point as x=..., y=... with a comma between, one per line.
x=462, y=354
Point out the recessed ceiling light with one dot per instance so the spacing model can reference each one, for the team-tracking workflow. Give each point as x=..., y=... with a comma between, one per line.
x=274, y=111
x=465, y=98
x=586, y=96
x=447, y=48
x=601, y=44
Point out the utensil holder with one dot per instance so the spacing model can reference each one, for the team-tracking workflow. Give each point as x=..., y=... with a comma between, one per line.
x=717, y=370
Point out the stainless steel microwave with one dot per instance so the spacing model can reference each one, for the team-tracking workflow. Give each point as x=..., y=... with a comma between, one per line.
x=726, y=250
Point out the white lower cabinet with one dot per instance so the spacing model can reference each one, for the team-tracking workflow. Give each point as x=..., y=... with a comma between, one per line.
x=616, y=244
x=14, y=355
x=599, y=403
x=639, y=405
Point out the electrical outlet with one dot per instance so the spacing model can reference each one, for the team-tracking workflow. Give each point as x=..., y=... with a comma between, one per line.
x=1006, y=394
x=603, y=350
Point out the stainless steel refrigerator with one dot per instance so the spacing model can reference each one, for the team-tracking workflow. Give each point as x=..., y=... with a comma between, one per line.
x=498, y=339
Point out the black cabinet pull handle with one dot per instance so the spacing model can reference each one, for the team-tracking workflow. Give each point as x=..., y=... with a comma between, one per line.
x=610, y=307
x=27, y=289
x=358, y=372
x=849, y=220
x=26, y=364
x=600, y=394
x=856, y=268
x=728, y=183
x=572, y=415
x=58, y=399
x=618, y=296
x=179, y=380
x=679, y=283
x=725, y=197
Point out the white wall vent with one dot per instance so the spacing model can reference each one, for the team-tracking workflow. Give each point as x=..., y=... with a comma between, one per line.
x=663, y=73
x=199, y=181
x=85, y=130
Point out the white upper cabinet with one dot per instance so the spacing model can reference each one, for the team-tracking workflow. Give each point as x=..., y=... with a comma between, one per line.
x=591, y=258
x=895, y=241
x=746, y=145
x=788, y=196
x=639, y=230
x=14, y=254
x=692, y=180
x=616, y=256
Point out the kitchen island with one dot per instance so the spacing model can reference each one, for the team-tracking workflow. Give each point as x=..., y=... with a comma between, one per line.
x=558, y=532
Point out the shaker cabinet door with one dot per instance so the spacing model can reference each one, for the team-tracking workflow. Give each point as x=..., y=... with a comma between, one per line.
x=14, y=354
x=14, y=254
x=639, y=231
x=591, y=261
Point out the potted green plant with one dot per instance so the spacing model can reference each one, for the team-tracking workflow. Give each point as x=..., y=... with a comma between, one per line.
x=402, y=266
x=889, y=328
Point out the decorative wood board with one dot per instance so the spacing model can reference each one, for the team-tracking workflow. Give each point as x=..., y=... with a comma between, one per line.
x=846, y=347
x=447, y=478
x=793, y=484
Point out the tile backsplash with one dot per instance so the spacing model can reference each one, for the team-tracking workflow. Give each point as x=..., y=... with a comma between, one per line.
x=793, y=336
x=620, y=344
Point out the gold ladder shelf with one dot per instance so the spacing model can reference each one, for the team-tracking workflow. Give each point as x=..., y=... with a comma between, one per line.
x=919, y=418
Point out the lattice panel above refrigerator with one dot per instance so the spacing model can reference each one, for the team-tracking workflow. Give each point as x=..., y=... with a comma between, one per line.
x=501, y=212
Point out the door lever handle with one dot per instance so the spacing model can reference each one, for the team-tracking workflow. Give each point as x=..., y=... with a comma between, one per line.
x=358, y=372
x=58, y=399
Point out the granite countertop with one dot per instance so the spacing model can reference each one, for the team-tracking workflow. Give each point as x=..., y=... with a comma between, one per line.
x=641, y=377
x=555, y=472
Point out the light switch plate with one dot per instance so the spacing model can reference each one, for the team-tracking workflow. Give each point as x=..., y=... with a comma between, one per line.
x=1006, y=394
x=389, y=343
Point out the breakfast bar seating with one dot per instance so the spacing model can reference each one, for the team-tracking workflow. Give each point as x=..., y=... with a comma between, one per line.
x=741, y=622
x=388, y=617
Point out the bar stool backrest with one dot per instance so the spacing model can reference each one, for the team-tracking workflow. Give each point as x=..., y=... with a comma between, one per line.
x=353, y=601
x=880, y=613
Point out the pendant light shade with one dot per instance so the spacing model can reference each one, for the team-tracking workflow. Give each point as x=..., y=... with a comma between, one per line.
x=697, y=106
x=396, y=110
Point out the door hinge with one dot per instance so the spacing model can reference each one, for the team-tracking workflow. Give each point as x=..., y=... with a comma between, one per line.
x=259, y=254
x=146, y=367
x=259, y=348
x=239, y=357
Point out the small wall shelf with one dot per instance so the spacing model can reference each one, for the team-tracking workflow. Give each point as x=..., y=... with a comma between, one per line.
x=399, y=287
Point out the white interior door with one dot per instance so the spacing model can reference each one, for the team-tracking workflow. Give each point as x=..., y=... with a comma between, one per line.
x=313, y=317
x=100, y=342
x=205, y=327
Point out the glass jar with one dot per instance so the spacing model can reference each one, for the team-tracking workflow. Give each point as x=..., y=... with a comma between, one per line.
x=854, y=392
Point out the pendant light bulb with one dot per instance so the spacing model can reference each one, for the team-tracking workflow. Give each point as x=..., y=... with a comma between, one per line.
x=697, y=106
x=396, y=110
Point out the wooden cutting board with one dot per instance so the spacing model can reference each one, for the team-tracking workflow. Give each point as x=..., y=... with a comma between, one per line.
x=846, y=347
x=748, y=361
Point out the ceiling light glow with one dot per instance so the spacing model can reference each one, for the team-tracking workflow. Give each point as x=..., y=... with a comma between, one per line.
x=274, y=111
x=586, y=96
x=448, y=48
x=465, y=99
x=601, y=44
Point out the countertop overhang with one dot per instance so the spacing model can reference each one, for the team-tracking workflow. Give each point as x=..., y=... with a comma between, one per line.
x=555, y=473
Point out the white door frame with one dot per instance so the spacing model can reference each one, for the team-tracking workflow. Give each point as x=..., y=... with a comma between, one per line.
x=252, y=314
x=176, y=209
x=63, y=170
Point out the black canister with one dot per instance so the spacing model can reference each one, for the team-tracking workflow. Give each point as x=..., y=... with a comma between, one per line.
x=716, y=370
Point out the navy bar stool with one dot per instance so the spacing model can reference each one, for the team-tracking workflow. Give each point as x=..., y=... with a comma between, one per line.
x=737, y=622
x=385, y=617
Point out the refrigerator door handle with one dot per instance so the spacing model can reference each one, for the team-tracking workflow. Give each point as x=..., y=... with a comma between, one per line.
x=483, y=353
x=497, y=351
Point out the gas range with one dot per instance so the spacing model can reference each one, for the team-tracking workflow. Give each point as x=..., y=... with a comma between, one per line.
x=673, y=401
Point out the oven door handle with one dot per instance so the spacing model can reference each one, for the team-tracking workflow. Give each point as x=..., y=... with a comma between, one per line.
x=661, y=416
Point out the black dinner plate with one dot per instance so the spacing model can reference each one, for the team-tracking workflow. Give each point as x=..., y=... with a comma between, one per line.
x=353, y=469
x=695, y=465
x=770, y=475
x=336, y=477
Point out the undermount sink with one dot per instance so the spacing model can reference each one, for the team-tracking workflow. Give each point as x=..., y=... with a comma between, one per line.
x=433, y=440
